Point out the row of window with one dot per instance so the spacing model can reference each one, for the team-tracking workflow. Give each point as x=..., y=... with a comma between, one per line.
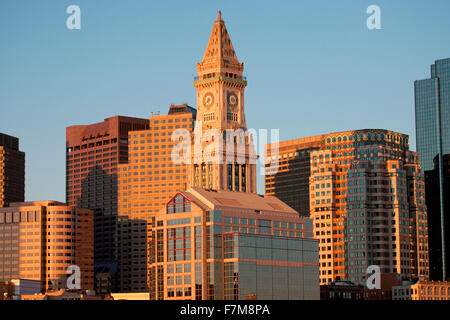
x=91, y=145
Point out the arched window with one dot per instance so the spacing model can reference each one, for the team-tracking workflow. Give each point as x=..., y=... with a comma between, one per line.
x=178, y=204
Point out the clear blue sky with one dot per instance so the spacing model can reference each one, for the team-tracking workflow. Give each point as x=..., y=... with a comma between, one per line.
x=312, y=66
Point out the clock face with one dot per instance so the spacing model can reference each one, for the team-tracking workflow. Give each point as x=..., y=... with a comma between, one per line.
x=232, y=99
x=208, y=99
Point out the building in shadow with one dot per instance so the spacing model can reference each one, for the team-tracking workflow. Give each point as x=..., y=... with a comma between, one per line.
x=432, y=195
x=290, y=182
x=12, y=171
x=131, y=254
x=432, y=108
x=93, y=153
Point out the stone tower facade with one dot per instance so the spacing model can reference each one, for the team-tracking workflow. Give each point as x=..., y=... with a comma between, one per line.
x=223, y=156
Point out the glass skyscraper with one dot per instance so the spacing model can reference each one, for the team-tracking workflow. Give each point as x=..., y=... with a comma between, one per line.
x=432, y=108
x=432, y=100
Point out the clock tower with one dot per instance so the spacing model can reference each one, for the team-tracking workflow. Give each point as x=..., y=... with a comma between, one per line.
x=220, y=109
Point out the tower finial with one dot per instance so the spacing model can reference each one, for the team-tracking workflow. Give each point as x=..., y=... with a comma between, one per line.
x=219, y=16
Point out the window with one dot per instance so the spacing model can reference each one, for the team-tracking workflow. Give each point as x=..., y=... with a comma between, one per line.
x=264, y=226
x=179, y=204
x=178, y=244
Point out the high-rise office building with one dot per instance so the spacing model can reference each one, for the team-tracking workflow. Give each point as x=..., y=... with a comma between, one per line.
x=228, y=245
x=145, y=184
x=150, y=177
x=433, y=185
x=132, y=251
x=432, y=106
x=432, y=109
x=93, y=154
x=383, y=201
x=12, y=171
x=290, y=182
x=386, y=221
x=40, y=240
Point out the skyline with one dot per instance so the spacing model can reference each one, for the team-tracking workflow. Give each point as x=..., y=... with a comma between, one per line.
x=131, y=80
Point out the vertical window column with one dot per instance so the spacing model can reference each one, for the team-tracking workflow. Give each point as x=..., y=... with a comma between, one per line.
x=203, y=175
x=244, y=177
x=230, y=176
x=210, y=175
x=236, y=177
x=196, y=176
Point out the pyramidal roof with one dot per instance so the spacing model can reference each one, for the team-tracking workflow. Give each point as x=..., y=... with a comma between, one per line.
x=219, y=48
x=243, y=200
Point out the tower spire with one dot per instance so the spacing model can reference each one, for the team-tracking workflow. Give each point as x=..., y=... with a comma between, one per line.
x=220, y=107
x=219, y=51
x=219, y=16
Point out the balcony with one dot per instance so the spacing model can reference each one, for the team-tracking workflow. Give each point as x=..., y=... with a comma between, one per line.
x=243, y=78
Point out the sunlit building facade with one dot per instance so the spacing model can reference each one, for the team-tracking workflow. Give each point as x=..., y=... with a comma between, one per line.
x=145, y=184
x=422, y=290
x=209, y=245
x=218, y=239
x=393, y=204
x=386, y=221
x=221, y=124
x=151, y=177
x=40, y=240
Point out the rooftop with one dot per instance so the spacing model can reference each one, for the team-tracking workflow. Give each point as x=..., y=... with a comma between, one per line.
x=243, y=200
